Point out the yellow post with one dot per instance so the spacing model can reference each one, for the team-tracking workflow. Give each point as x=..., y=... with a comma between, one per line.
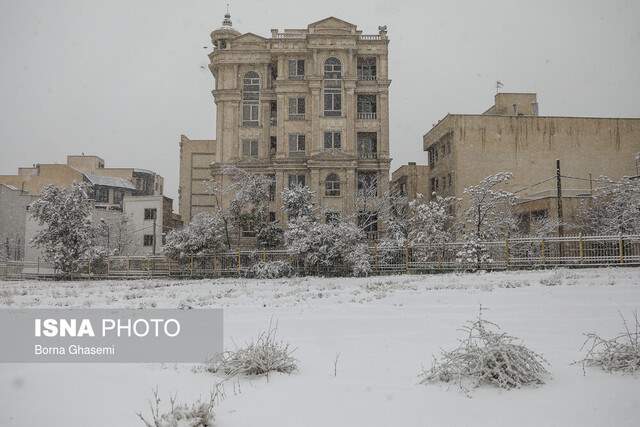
x=542, y=249
x=621, y=249
x=191, y=265
x=581, y=247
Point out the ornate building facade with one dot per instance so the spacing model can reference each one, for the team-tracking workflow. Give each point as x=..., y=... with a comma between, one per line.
x=304, y=106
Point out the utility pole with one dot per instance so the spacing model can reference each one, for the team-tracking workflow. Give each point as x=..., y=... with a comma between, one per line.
x=559, y=200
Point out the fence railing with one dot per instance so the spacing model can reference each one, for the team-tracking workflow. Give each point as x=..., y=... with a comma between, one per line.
x=517, y=253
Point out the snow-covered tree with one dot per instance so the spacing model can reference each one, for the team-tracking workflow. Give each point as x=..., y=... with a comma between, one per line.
x=67, y=235
x=431, y=225
x=489, y=216
x=297, y=201
x=120, y=237
x=204, y=234
x=613, y=209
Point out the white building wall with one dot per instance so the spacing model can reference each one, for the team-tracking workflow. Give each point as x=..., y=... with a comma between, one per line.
x=134, y=208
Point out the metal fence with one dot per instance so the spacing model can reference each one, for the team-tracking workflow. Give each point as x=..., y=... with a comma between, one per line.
x=518, y=253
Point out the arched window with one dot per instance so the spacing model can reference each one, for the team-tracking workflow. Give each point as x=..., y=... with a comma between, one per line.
x=332, y=87
x=250, y=99
x=332, y=185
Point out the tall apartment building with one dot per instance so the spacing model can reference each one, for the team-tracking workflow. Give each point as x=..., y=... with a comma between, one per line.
x=304, y=106
x=462, y=149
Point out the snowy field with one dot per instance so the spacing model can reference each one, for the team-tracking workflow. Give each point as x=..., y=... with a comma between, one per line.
x=384, y=329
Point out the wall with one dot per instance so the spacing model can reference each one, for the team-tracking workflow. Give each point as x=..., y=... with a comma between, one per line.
x=13, y=206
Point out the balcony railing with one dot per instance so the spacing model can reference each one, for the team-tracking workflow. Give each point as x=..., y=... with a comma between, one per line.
x=368, y=77
x=364, y=155
x=273, y=121
x=296, y=116
x=289, y=36
x=370, y=37
x=296, y=77
x=367, y=116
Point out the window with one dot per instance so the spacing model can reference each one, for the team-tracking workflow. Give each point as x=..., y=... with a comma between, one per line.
x=272, y=187
x=250, y=99
x=150, y=213
x=118, y=195
x=296, y=143
x=332, y=87
x=296, y=108
x=367, y=68
x=247, y=228
x=332, y=140
x=102, y=195
x=272, y=217
x=332, y=185
x=250, y=148
x=273, y=113
x=296, y=69
x=273, y=145
x=296, y=181
x=403, y=189
x=367, y=107
x=332, y=217
x=368, y=184
x=367, y=145
x=434, y=185
x=147, y=240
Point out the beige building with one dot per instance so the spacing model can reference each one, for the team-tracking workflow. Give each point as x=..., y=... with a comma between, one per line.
x=90, y=169
x=411, y=180
x=462, y=149
x=304, y=106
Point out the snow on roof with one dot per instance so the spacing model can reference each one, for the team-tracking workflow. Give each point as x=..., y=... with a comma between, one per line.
x=109, y=181
x=10, y=187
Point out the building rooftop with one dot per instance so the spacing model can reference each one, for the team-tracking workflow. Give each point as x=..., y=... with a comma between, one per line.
x=109, y=181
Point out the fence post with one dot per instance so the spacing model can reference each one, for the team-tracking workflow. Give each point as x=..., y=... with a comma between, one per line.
x=375, y=259
x=406, y=257
x=542, y=250
x=621, y=249
x=191, y=265
x=581, y=247
x=239, y=260
x=506, y=252
x=38, y=268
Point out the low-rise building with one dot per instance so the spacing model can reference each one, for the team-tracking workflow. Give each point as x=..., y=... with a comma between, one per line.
x=511, y=136
x=411, y=180
x=150, y=219
x=13, y=205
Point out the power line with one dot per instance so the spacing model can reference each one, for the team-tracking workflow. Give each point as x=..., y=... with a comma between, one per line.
x=533, y=185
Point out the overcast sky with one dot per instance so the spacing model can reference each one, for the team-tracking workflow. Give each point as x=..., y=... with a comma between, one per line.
x=124, y=78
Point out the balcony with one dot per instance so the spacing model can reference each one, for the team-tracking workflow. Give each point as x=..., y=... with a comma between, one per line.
x=366, y=76
x=296, y=77
x=296, y=117
x=367, y=155
x=367, y=116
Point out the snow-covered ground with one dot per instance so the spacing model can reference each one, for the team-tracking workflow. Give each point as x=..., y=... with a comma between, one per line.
x=384, y=329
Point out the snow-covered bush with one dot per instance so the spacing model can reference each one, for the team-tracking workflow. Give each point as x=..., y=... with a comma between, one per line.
x=618, y=354
x=67, y=235
x=431, y=226
x=486, y=355
x=265, y=355
x=205, y=234
x=473, y=253
x=197, y=414
x=325, y=246
x=270, y=235
x=271, y=270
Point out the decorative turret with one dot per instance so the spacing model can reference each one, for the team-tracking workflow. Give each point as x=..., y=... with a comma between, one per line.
x=221, y=36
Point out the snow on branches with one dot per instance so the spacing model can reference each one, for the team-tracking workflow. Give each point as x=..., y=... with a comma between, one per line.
x=613, y=209
x=67, y=235
x=205, y=234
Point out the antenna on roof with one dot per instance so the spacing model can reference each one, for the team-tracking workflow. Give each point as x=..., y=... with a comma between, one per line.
x=499, y=85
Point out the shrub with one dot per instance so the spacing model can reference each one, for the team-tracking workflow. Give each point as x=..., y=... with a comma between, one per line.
x=198, y=414
x=487, y=356
x=617, y=354
x=267, y=354
x=271, y=270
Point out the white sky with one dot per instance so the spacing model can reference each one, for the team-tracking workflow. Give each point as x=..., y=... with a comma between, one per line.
x=123, y=79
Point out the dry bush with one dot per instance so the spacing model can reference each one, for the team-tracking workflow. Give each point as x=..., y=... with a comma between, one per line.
x=266, y=354
x=486, y=355
x=617, y=354
x=198, y=414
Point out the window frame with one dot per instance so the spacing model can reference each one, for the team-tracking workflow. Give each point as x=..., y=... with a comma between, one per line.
x=297, y=177
x=296, y=75
x=150, y=213
x=332, y=185
x=250, y=148
x=330, y=144
x=300, y=138
x=365, y=70
x=251, y=99
x=297, y=107
x=148, y=240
